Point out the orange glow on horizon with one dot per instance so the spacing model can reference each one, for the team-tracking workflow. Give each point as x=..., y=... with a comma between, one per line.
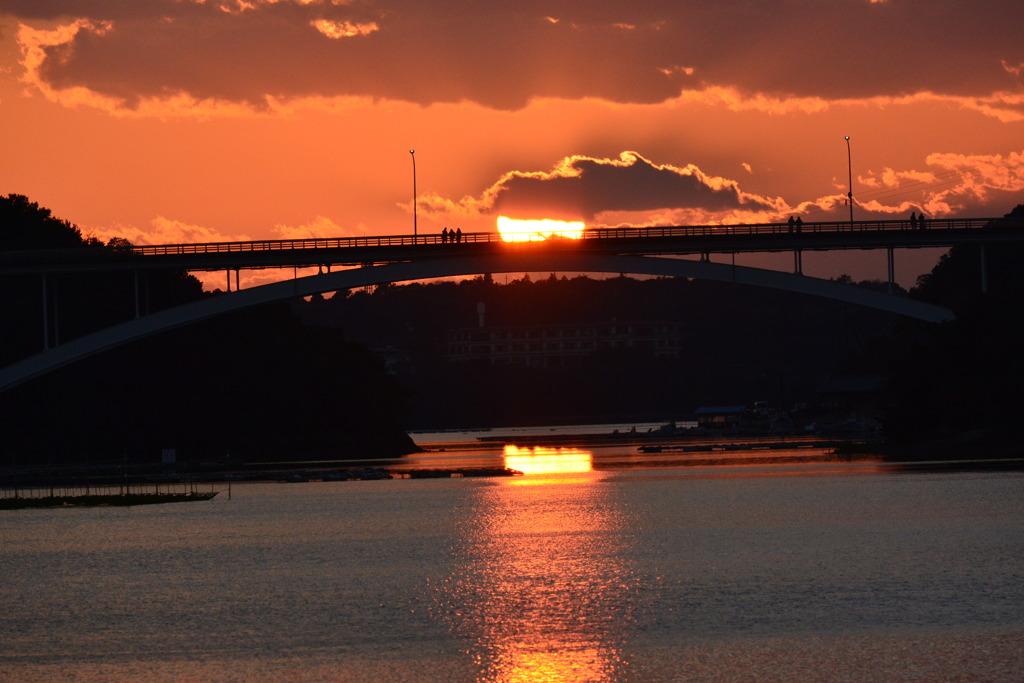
x=544, y=460
x=522, y=230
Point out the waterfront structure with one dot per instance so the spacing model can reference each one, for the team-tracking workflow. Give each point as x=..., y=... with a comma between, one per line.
x=720, y=417
x=562, y=344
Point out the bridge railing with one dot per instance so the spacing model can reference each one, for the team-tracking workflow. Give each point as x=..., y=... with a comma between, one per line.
x=752, y=229
x=755, y=229
x=80, y=255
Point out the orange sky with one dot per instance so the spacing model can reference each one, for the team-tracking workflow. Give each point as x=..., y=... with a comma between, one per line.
x=200, y=120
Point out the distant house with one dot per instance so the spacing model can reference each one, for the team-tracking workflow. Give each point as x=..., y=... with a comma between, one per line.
x=719, y=417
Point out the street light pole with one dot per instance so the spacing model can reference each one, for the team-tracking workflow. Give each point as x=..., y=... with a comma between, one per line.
x=412, y=152
x=849, y=170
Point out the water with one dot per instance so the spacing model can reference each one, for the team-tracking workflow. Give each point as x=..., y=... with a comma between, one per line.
x=751, y=571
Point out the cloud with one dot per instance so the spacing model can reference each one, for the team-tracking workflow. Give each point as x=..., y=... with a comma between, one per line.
x=163, y=230
x=320, y=226
x=36, y=46
x=252, y=53
x=949, y=185
x=634, y=191
x=582, y=187
x=343, y=29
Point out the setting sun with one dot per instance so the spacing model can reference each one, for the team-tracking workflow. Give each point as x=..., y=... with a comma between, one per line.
x=516, y=230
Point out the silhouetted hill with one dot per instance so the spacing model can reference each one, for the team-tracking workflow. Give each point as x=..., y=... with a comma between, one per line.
x=738, y=345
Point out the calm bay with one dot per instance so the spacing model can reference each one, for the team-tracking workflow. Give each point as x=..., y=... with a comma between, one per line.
x=603, y=569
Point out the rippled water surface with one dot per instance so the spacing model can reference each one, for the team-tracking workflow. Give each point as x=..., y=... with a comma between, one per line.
x=743, y=572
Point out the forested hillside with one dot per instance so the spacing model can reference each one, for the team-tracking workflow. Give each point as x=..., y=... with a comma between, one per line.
x=738, y=345
x=955, y=388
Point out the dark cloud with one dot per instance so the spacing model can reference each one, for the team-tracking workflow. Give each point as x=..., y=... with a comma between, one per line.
x=503, y=54
x=585, y=187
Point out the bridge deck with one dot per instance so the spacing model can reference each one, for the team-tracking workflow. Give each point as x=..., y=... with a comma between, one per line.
x=680, y=240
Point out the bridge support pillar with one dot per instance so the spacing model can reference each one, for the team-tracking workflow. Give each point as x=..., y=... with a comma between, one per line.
x=51, y=319
x=46, y=315
x=984, y=269
x=892, y=269
x=798, y=262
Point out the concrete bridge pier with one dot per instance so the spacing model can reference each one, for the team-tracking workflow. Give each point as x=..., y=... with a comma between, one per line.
x=46, y=315
x=984, y=269
x=892, y=269
x=238, y=286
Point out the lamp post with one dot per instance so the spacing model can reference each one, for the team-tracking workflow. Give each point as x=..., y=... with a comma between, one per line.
x=849, y=170
x=412, y=152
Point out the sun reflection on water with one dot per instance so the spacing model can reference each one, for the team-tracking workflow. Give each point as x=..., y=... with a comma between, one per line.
x=544, y=589
x=545, y=460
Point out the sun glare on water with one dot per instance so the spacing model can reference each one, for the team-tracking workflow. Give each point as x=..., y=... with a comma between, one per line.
x=516, y=230
x=543, y=460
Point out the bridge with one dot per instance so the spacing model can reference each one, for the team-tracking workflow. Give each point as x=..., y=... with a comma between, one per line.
x=678, y=251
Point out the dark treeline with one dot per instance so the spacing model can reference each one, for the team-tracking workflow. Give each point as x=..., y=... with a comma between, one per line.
x=738, y=345
x=255, y=385
x=956, y=387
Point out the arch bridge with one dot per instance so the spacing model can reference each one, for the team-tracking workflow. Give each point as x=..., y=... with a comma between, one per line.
x=679, y=251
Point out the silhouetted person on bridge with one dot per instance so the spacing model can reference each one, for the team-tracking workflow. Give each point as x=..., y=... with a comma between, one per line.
x=799, y=225
x=792, y=224
x=444, y=235
x=921, y=223
x=913, y=221
x=458, y=234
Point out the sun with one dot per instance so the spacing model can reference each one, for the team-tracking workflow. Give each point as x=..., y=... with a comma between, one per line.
x=517, y=230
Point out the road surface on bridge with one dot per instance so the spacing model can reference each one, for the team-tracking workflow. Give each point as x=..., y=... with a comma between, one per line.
x=656, y=240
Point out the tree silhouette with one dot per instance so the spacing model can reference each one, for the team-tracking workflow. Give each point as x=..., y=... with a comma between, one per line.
x=958, y=383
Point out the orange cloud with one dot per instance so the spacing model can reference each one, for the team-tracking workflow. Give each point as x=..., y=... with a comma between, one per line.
x=320, y=226
x=35, y=45
x=246, y=52
x=164, y=231
x=343, y=29
x=963, y=183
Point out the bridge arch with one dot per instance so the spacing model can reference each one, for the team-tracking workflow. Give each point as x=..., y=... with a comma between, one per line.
x=515, y=262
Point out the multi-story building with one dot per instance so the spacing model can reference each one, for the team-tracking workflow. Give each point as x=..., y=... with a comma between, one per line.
x=560, y=344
